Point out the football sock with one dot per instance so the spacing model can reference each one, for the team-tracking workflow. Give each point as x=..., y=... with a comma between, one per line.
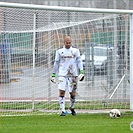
x=72, y=101
x=62, y=103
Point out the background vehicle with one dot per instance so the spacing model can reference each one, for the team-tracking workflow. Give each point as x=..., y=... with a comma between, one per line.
x=96, y=57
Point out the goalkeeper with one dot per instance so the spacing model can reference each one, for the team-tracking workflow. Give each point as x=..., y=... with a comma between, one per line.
x=67, y=62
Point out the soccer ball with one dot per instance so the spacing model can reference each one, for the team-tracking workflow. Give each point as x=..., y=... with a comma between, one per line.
x=114, y=113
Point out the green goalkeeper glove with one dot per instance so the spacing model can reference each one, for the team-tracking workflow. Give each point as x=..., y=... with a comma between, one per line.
x=81, y=75
x=53, y=78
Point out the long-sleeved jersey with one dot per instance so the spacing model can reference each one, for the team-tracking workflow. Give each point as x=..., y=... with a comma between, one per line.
x=67, y=61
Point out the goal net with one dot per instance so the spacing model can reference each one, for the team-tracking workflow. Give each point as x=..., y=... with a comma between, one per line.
x=29, y=39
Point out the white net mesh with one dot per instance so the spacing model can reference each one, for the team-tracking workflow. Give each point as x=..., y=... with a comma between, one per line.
x=103, y=41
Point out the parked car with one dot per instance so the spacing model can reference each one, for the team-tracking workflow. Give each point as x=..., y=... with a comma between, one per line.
x=97, y=58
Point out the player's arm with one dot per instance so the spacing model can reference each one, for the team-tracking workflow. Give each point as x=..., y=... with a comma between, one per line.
x=56, y=66
x=80, y=66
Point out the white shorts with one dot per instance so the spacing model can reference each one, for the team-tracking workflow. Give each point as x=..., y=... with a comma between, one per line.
x=69, y=83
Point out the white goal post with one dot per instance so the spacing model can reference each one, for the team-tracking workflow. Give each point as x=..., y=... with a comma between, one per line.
x=29, y=36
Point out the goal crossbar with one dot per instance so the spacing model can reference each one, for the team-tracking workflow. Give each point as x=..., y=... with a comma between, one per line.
x=61, y=8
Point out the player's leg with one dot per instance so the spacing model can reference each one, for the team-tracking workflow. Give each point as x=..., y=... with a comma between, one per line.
x=72, y=91
x=62, y=87
x=72, y=102
x=62, y=102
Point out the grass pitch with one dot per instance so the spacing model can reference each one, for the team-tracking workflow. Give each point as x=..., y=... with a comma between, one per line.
x=53, y=123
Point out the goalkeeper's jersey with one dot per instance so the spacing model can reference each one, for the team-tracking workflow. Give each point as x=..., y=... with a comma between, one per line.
x=67, y=61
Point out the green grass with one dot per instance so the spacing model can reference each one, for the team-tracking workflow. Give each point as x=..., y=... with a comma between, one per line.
x=53, y=123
